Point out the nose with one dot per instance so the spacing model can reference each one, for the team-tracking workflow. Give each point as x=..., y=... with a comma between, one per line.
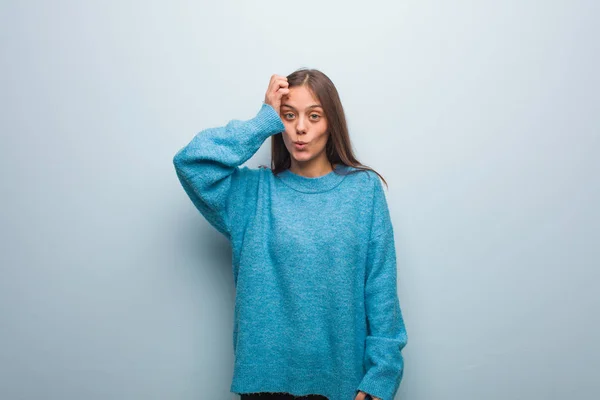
x=301, y=126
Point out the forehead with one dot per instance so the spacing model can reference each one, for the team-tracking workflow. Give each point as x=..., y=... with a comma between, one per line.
x=299, y=96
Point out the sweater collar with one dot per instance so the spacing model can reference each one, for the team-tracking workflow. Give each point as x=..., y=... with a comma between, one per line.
x=314, y=184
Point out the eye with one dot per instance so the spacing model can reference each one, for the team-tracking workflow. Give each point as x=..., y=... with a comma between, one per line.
x=315, y=115
x=286, y=115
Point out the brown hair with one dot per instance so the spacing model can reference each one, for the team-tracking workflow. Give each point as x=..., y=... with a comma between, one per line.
x=338, y=147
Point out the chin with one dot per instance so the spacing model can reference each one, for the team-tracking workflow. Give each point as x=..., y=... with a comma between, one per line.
x=301, y=159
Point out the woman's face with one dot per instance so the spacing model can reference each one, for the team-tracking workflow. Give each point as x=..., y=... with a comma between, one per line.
x=304, y=121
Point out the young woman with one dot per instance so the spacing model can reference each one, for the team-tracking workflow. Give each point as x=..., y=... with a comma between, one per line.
x=317, y=315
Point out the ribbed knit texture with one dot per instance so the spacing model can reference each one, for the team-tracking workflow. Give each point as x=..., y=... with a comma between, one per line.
x=314, y=266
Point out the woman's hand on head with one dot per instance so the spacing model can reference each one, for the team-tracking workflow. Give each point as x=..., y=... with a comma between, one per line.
x=278, y=87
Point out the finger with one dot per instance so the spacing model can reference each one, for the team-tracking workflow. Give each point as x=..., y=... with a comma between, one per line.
x=360, y=396
x=280, y=95
x=278, y=84
x=275, y=78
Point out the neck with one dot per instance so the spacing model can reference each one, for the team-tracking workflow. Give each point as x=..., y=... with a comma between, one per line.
x=311, y=169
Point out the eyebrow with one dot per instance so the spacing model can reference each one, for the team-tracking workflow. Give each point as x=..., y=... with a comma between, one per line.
x=311, y=106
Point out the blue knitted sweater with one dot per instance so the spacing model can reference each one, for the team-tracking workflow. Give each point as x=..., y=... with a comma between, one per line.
x=314, y=266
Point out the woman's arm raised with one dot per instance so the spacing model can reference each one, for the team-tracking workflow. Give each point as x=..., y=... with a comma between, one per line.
x=208, y=166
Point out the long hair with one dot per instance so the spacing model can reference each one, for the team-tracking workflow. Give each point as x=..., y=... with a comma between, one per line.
x=338, y=147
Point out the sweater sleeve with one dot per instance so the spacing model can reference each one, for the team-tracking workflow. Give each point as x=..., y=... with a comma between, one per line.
x=386, y=336
x=208, y=166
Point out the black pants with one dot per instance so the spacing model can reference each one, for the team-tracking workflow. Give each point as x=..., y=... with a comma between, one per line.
x=279, y=396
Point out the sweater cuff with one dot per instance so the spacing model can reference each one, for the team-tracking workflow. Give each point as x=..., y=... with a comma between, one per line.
x=267, y=121
x=381, y=383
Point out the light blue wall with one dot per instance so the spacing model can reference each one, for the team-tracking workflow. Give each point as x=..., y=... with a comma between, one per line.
x=482, y=115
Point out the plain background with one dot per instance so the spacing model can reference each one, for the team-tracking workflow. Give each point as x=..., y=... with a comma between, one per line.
x=483, y=116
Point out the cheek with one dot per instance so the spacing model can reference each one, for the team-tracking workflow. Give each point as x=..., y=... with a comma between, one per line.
x=288, y=128
x=287, y=140
x=324, y=135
